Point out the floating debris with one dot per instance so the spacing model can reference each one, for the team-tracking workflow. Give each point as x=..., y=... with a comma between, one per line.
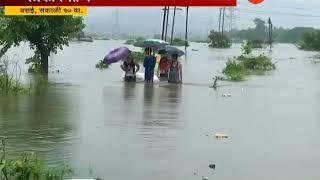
x=194, y=173
x=204, y=178
x=226, y=95
x=212, y=166
x=221, y=136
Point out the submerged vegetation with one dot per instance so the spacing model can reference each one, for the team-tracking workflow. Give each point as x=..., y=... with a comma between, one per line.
x=130, y=41
x=256, y=44
x=102, y=65
x=10, y=73
x=179, y=42
x=215, y=82
x=29, y=167
x=218, y=40
x=137, y=56
x=133, y=41
x=239, y=67
x=311, y=41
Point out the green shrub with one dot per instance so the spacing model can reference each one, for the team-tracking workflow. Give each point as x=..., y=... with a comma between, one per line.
x=239, y=67
x=256, y=63
x=234, y=70
x=246, y=48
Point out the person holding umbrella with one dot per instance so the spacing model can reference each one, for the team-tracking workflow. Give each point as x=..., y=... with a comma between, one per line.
x=130, y=67
x=164, y=67
x=149, y=64
x=175, y=70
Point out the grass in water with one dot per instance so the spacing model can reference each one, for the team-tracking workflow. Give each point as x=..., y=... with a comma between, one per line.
x=29, y=167
x=102, y=65
x=10, y=74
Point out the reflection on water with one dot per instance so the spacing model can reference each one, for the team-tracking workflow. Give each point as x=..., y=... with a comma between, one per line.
x=161, y=105
x=161, y=118
x=40, y=121
x=136, y=131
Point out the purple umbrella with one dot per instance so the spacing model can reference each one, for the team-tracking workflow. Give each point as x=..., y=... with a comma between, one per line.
x=116, y=55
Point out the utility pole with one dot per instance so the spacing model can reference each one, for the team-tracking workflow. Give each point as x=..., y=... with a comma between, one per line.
x=167, y=23
x=174, y=16
x=186, y=35
x=219, y=19
x=164, y=22
x=222, y=28
x=270, y=33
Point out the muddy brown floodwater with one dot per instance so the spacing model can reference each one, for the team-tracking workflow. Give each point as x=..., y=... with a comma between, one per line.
x=90, y=119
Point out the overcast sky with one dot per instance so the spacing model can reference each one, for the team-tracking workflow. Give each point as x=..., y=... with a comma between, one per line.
x=148, y=20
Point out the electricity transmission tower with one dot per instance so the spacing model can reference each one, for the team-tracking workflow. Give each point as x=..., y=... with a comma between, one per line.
x=116, y=25
x=230, y=15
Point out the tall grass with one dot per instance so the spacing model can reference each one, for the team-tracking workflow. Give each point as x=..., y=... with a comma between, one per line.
x=10, y=74
x=29, y=167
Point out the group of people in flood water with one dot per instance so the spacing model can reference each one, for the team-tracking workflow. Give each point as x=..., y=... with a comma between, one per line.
x=169, y=68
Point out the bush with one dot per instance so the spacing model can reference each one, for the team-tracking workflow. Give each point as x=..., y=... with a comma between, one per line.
x=234, y=70
x=257, y=63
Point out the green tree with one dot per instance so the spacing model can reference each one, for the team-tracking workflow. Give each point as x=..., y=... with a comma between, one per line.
x=260, y=25
x=217, y=40
x=46, y=34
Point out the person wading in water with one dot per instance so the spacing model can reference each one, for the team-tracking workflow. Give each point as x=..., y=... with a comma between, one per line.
x=130, y=67
x=163, y=68
x=149, y=64
x=175, y=70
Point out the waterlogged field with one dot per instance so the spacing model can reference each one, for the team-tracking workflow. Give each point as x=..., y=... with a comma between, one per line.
x=105, y=128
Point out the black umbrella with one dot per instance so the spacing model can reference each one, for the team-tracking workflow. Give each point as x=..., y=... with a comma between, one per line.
x=151, y=43
x=170, y=50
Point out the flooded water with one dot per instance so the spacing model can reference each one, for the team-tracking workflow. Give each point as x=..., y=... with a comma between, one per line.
x=90, y=119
